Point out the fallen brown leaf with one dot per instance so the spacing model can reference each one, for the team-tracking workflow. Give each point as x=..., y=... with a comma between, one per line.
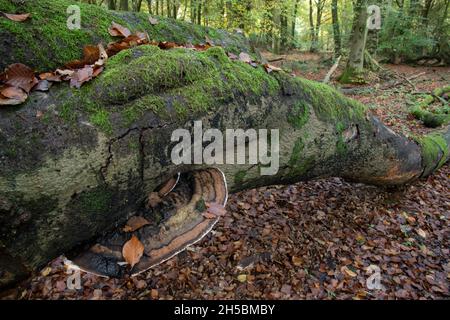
x=117, y=30
x=12, y=95
x=216, y=209
x=135, y=223
x=153, y=21
x=91, y=54
x=16, y=17
x=245, y=57
x=132, y=251
x=81, y=76
x=21, y=76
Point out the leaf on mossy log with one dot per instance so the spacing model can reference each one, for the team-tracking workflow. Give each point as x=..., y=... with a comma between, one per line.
x=135, y=223
x=16, y=17
x=215, y=209
x=132, y=251
x=21, y=76
x=269, y=68
x=165, y=45
x=117, y=30
x=91, y=54
x=245, y=57
x=50, y=76
x=81, y=76
x=153, y=21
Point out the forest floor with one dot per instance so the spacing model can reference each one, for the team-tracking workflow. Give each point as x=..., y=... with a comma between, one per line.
x=311, y=240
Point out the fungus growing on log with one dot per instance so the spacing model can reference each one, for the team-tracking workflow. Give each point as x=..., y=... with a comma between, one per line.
x=184, y=199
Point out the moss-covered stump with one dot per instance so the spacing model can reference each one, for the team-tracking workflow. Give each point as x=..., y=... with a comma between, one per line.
x=75, y=164
x=44, y=42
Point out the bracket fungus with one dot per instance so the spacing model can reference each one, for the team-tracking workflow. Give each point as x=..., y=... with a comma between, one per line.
x=180, y=213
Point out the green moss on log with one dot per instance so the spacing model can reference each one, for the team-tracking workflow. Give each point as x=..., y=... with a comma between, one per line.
x=45, y=43
x=175, y=82
x=435, y=151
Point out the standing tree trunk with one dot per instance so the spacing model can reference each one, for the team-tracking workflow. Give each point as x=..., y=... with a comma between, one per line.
x=294, y=19
x=276, y=23
x=336, y=29
x=199, y=12
x=354, y=70
x=112, y=4
x=311, y=27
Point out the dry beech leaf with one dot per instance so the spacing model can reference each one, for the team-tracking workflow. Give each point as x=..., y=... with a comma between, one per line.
x=64, y=72
x=296, y=261
x=16, y=17
x=12, y=96
x=91, y=54
x=232, y=56
x=349, y=272
x=167, y=45
x=421, y=233
x=21, y=76
x=135, y=223
x=81, y=76
x=245, y=57
x=132, y=251
x=209, y=215
x=117, y=30
x=153, y=21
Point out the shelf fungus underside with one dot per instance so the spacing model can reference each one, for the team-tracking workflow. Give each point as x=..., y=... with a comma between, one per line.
x=178, y=214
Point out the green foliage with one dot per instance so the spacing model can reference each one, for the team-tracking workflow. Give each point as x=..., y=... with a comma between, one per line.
x=404, y=36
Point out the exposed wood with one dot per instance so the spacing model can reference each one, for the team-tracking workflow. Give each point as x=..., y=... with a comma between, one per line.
x=332, y=70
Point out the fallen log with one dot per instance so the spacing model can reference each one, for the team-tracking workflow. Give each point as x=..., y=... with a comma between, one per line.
x=77, y=164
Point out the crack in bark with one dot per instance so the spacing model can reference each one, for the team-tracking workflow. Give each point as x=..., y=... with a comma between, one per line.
x=142, y=130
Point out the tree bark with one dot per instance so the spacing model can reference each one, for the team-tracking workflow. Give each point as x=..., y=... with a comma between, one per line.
x=336, y=29
x=354, y=70
x=112, y=4
x=124, y=5
x=89, y=162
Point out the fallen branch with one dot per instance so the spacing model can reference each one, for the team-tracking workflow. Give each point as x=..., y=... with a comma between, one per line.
x=276, y=59
x=434, y=118
x=404, y=79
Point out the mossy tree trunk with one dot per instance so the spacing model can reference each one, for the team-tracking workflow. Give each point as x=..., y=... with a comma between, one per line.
x=88, y=161
x=354, y=70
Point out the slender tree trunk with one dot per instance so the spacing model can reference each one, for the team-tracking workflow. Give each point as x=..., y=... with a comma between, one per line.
x=112, y=4
x=199, y=12
x=193, y=10
x=124, y=5
x=336, y=28
x=354, y=70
